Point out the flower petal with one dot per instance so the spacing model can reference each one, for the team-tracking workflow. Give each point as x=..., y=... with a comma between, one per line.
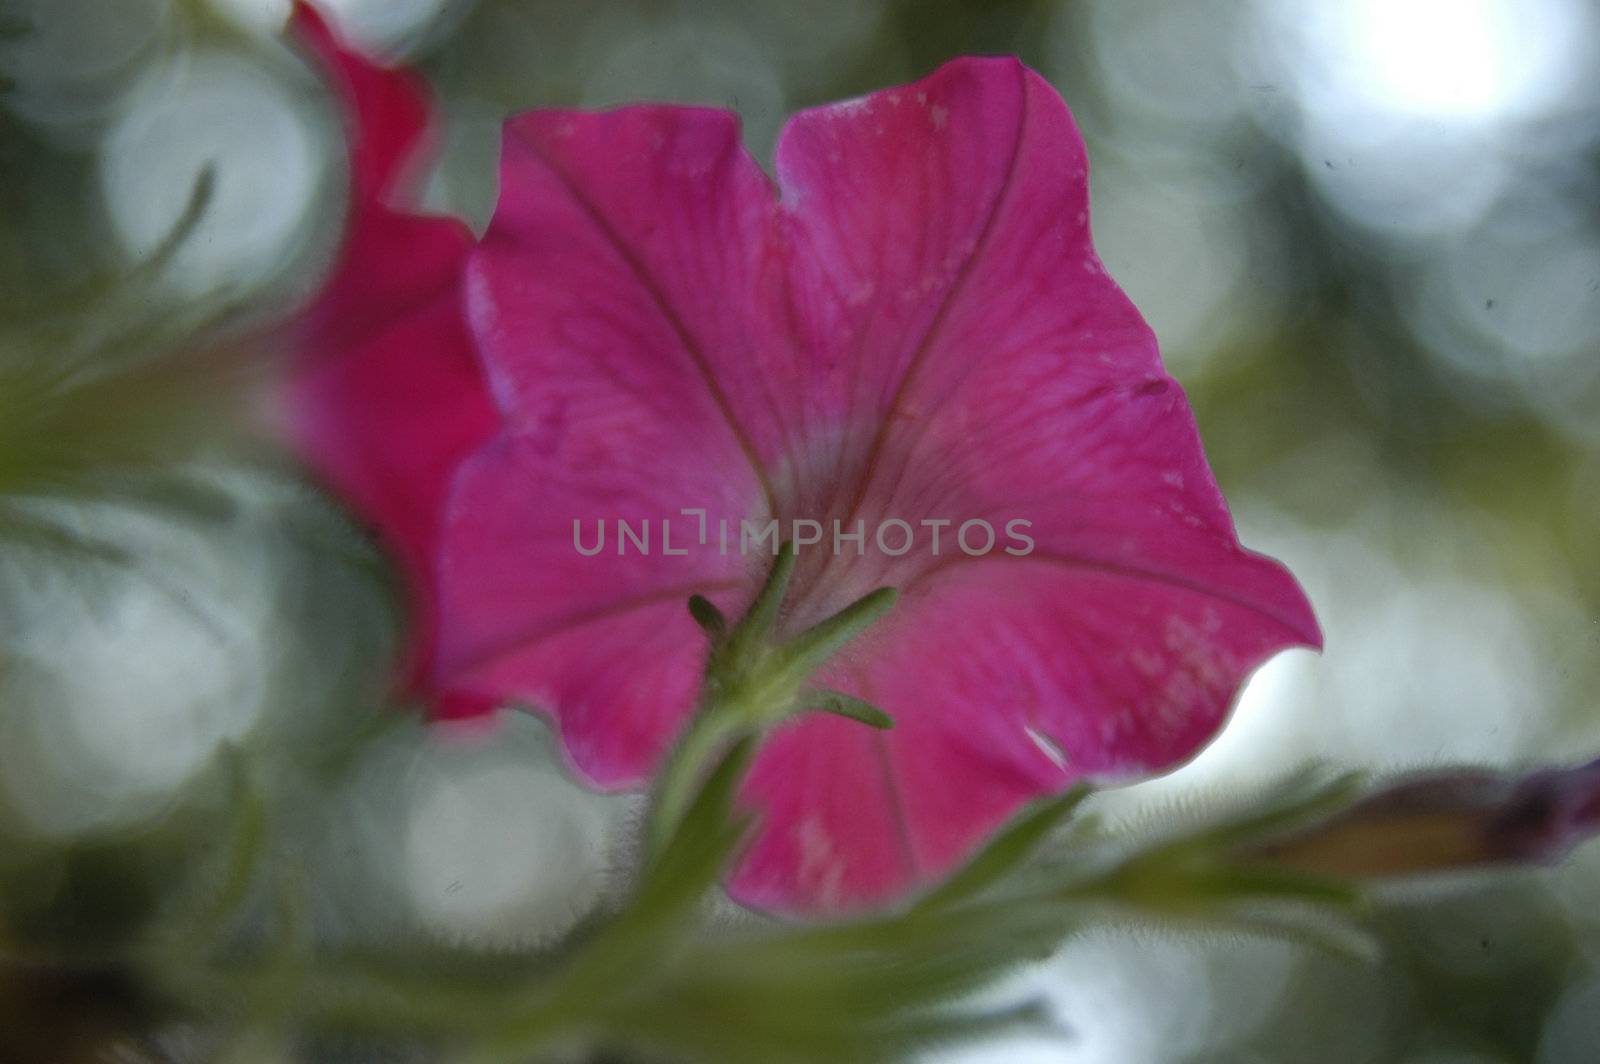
x=902, y=208
x=616, y=297
x=385, y=395
x=942, y=238
x=605, y=641
x=830, y=838
x=388, y=109
x=1008, y=680
x=633, y=270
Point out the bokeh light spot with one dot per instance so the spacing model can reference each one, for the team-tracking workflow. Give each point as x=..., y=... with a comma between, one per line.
x=1451, y=60
x=223, y=112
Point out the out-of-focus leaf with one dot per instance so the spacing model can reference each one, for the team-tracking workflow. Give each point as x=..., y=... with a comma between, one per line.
x=1009, y=848
x=62, y=422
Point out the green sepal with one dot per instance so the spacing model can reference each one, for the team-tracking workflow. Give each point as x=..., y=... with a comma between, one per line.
x=808, y=650
x=752, y=629
x=1009, y=849
x=849, y=706
x=709, y=618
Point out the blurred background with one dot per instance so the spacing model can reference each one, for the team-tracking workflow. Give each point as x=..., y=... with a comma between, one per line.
x=1367, y=233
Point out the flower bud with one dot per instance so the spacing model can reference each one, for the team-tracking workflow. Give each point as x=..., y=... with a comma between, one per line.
x=1451, y=819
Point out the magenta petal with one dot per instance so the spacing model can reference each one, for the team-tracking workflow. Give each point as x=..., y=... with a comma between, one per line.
x=385, y=395
x=386, y=422
x=1009, y=680
x=946, y=225
x=388, y=109
x=633, y=270
x=944, y=247
x=604, y=642
x=390, y=260
x=613, y=299
x=893, y=200
x=831, y=836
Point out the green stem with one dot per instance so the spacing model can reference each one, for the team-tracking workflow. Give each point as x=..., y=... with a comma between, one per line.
x=710, y=733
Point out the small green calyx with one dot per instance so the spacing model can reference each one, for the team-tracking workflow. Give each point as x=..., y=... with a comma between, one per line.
x=754, y=683
x=761, y=682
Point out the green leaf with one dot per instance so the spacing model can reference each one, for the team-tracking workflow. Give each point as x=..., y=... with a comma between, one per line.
x=1306, y=798
x=1009, y=849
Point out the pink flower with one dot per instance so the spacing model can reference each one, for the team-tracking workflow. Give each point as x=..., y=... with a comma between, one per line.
x=912, y=326
x=387, y=398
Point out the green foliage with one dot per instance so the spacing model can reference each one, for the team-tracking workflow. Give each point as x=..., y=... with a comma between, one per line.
x=658, y=978
x=108, y=376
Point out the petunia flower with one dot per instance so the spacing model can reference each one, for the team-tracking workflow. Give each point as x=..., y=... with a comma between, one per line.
x=386, y=397
x=908, y=330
